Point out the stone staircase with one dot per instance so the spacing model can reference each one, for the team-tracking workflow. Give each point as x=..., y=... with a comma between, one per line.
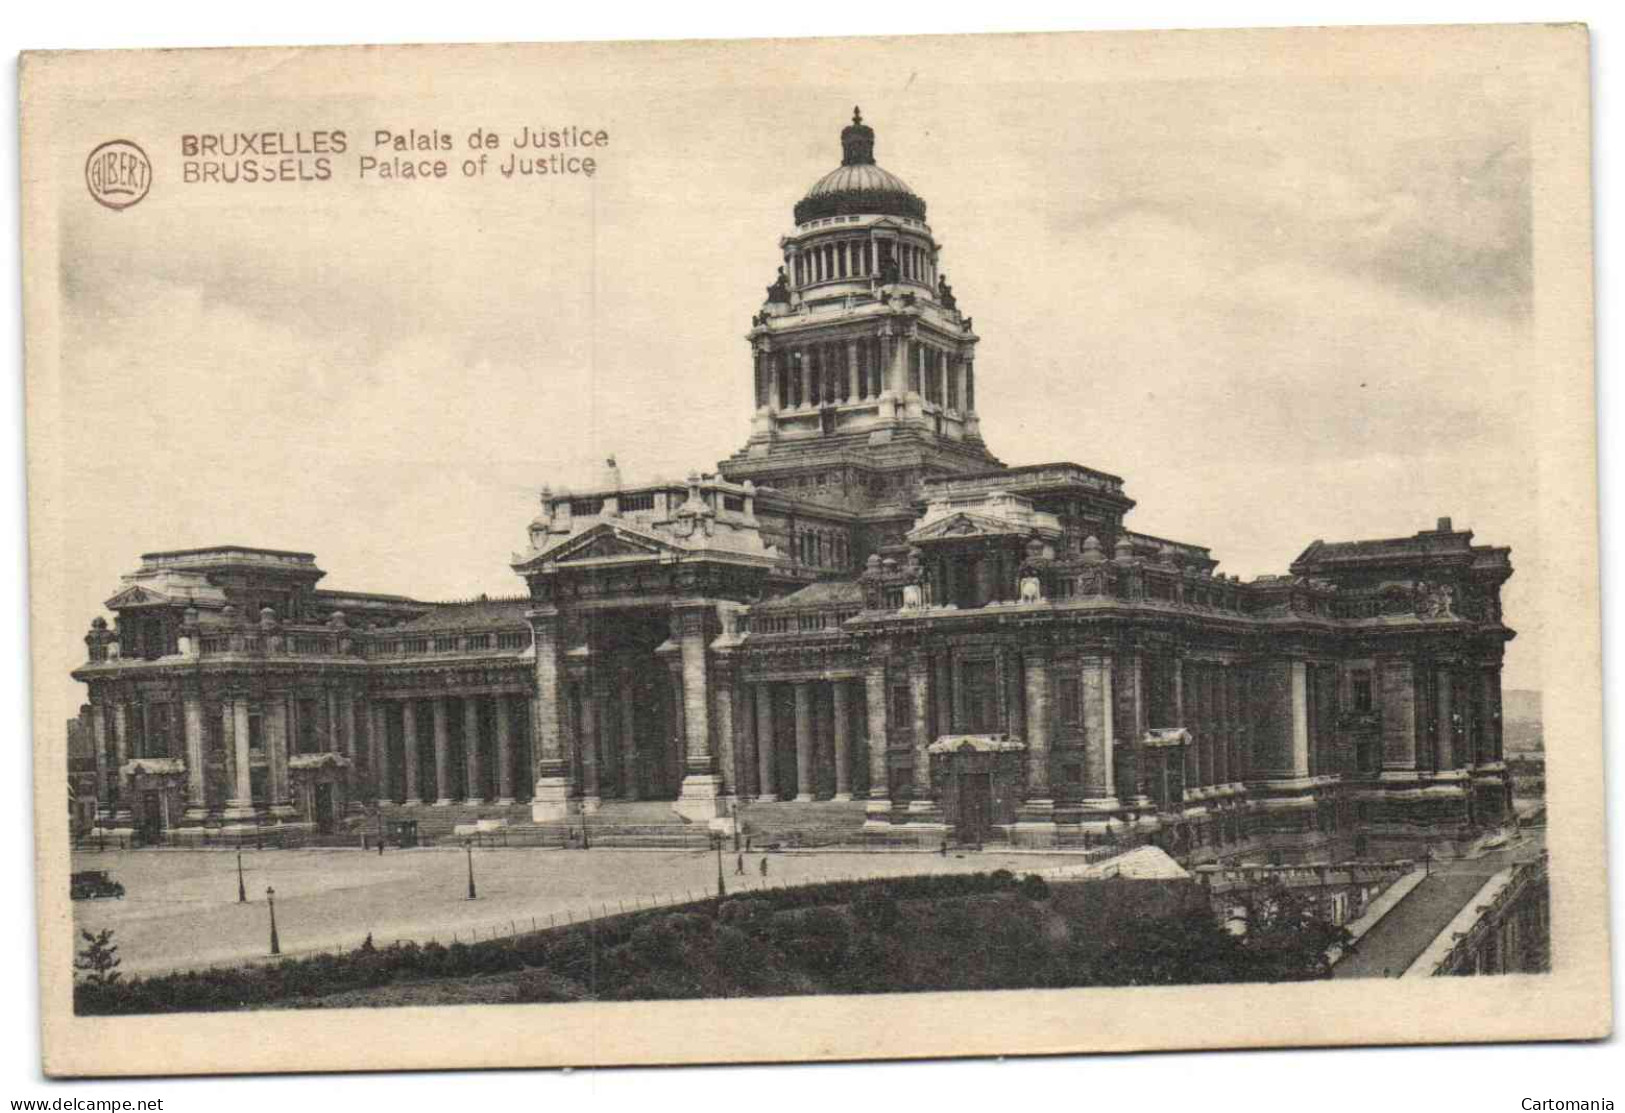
x=439, y=822
x=813, y=822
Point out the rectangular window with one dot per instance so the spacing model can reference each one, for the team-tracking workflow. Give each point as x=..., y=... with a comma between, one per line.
x=513, y=640
x=981, y=697
x=630, y=503
x=306, y=741
x=902, y=708
x=1068, y=704
x=1362, y=691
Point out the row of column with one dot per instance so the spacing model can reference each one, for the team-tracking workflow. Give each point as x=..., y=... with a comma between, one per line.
x=1439, y=716
x=904, y=714
x=815, y=374
x=442, y=772
x=815, y=732
x=859, y=258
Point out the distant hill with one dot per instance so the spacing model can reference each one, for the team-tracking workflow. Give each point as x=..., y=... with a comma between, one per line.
x=1521, y=719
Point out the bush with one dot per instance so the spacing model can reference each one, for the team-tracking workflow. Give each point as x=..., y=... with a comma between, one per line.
x=1033, y=887
x=815, y=938
x=876, y=910
x=536, y=986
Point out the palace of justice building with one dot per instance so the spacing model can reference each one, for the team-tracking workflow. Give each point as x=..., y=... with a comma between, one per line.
x=862, y=624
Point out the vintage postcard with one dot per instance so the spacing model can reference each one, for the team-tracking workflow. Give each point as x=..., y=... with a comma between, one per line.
x=823, y=549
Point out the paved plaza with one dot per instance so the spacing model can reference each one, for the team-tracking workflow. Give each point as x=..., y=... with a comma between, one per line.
x=181, y=910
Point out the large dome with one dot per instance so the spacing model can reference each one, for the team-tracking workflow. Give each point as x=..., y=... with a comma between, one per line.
x=857, y=186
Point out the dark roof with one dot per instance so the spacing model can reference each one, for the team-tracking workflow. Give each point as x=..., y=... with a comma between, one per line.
x=858, y=187
x=475, y=612
x=1428, y=543
x=825, y=593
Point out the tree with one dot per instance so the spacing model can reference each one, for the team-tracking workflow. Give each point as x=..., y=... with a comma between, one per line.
x=99, y=959
x=1287, y=935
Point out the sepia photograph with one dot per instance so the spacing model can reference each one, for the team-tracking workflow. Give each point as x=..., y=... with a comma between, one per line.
x=636, y=538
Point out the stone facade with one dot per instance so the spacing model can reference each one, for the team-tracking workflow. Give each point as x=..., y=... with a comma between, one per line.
x=861, y=609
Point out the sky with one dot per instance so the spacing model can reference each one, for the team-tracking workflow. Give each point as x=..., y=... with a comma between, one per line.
x=1282, y=310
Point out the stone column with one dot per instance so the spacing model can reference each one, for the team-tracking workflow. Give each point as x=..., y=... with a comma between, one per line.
x=471, y=750
x=442, y=752
x=1444, y=757
x=334, y=724
x=352, y=750
x=504, y=750
x=1492, y=713
x=842, y=713
x=551, y=799
x=276, y=715
x=1038, y=728
x=197, y=804
x=919, y=690
x=1099, y=780
x=378, y=744
x=804, y=741
x=121, y=755
x=723, y=713
x=629, y=739
x=942, y=676
x=851, y=370
x=766, y=787
x=98, y=732
x=743, y=786
x=1398, y=705
x=700, y=798
x=234, y=713
x=879, y=809
x=1014, y=695
x=588, y=745
x=409, y=751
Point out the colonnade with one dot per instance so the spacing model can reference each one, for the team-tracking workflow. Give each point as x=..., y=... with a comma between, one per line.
x=835, y=259
x=445, y=749
x=860, y=368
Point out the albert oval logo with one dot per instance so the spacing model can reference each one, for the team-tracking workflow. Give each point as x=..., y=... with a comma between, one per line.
x=118, y=174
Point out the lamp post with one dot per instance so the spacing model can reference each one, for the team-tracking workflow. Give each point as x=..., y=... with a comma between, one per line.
x=270, y=903
x=242, y=891
x=734, y=811
x=586, y=843
x=721, y=888
x=468, y=845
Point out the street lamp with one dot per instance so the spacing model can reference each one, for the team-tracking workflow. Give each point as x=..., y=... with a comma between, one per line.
x=270, y=902
x=468, y=845
x=734, y=811
x=722, y=890
x=242, y=892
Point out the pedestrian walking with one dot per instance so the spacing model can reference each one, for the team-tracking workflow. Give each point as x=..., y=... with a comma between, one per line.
x=739, y=866
x=764, y=865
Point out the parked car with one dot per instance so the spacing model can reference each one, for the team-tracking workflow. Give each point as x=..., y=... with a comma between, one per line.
x=93, y=885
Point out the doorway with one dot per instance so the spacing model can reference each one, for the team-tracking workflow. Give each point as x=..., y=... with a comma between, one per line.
x=975, y=804
x=152, y=818
x=326, y=821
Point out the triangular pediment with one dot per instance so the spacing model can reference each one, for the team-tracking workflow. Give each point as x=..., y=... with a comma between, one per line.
x=964, y=524
x=136, y=597
x=608, y=542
